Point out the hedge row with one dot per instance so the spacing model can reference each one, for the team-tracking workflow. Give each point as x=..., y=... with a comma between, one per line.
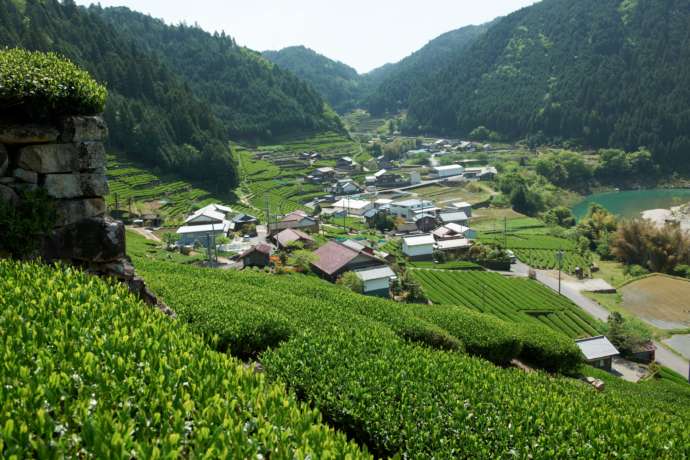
x=248, y=313
x=414, y=402
x=501, y=341
x=45, y=84
x=88, y=372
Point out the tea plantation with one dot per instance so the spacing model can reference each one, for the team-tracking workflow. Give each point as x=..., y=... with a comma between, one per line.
x=517, y=300
x=88, y=372
x=414, y=380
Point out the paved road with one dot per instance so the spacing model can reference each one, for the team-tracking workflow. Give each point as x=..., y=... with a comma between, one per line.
x=664, y=356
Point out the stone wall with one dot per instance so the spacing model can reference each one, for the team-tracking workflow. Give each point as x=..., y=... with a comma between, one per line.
x=67, y=160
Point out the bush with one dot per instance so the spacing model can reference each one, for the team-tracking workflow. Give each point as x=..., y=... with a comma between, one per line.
x=548, y=350
x=351, y=281
x=482, y=335
x=635, y=270
x=90, y=372
x=407, y=401
x=44, y=84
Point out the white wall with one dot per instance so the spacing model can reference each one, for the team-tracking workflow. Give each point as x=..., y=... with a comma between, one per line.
x=376, y=285
x=416, y=251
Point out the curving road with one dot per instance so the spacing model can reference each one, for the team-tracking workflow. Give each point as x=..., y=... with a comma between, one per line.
x=571, y=290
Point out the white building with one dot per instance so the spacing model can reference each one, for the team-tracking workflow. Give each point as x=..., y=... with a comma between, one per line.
x=448, y=171
x=453, y=245
x=409, y=208
x=462, y=206
x=421, y=246
x=376, y=280
x=352, y=206
x=205, y=224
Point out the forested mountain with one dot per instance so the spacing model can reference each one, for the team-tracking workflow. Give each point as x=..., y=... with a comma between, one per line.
x=391, y=85
x=255, y=99
x=163, y=79
x=338, y=83
x=152, y=115
x=601, y=72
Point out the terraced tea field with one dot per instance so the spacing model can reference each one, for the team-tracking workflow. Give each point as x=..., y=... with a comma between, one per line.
x=511, y=299
x=275, y=172
x=547, y=259
x=147, y=192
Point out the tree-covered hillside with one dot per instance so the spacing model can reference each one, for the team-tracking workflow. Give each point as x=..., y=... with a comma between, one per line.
x=152, y=115
x=390, y=86
x=254, y=99
x=601, y=72
x=162, y=80
x=338, y=83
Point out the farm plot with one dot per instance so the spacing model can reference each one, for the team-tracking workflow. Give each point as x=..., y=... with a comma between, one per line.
x=659, y=300
x=131, y=184
x=510, y=299
x=547, y=259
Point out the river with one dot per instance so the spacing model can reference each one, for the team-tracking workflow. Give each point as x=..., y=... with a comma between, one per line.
x=631, y=203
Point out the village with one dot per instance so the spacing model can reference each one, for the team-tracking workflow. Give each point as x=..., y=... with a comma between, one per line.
x=400, y=226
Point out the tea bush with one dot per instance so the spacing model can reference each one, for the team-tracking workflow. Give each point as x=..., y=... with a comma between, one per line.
x=89, y=372
x=45, y=84
x=401, y=399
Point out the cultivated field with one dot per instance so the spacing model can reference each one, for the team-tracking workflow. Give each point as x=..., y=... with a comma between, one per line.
x=511, y=299
x=136, y=187
x=660, y=300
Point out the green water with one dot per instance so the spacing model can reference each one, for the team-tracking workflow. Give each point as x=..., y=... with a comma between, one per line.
x=631, y=203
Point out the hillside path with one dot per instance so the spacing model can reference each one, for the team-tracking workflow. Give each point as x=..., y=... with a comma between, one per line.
x=570, y=290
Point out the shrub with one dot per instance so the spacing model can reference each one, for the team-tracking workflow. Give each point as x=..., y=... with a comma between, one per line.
x=89, y=372
x=482, y=335
x=548, y=350
x=351, y=281
x=408, y=401
x=45, y=84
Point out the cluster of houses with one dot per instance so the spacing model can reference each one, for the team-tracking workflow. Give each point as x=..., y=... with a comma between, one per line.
x=205, y=225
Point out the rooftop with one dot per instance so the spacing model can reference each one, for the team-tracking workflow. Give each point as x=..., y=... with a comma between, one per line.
x=262, y=248
x=419, y=240
x=290, y=235
x=375, y=273
x=208, y=228
x=447, y=167
x=332, y=257
x=454, y=244
x=453, y=216
x=351, y=204
x=596, y=348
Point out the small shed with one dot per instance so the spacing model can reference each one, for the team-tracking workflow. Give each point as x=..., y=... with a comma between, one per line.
x=256, y=256
x=376, y=280
x=419, y=247
x=598, y=351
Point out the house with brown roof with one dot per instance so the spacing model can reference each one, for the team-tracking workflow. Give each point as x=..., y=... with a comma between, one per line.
x=256, y=256
x=289, y=236
x=333, y=259
x=295, y=220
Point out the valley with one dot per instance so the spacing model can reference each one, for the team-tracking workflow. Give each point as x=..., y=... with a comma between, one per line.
x=216, y=250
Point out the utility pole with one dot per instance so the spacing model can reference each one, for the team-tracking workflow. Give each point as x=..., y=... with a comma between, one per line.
x=559, y=257
x=505, y=232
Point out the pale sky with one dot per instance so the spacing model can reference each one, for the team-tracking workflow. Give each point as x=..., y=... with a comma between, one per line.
x=364, y=34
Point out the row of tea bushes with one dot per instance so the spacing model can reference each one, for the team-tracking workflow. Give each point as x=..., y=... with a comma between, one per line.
x=407, y=400
x=89, y=372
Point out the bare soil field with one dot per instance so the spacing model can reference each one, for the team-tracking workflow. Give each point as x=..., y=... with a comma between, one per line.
x=660, y=300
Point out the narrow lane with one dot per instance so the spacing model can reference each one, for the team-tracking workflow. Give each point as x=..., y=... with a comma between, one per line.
x=664, y=356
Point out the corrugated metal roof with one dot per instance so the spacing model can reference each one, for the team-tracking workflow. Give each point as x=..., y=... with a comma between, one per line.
x=596, y=348
x=457, y=228
x=375, y=273
x=203, y=228
x=420, y=240
x=453, y=216
x=454, y=244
